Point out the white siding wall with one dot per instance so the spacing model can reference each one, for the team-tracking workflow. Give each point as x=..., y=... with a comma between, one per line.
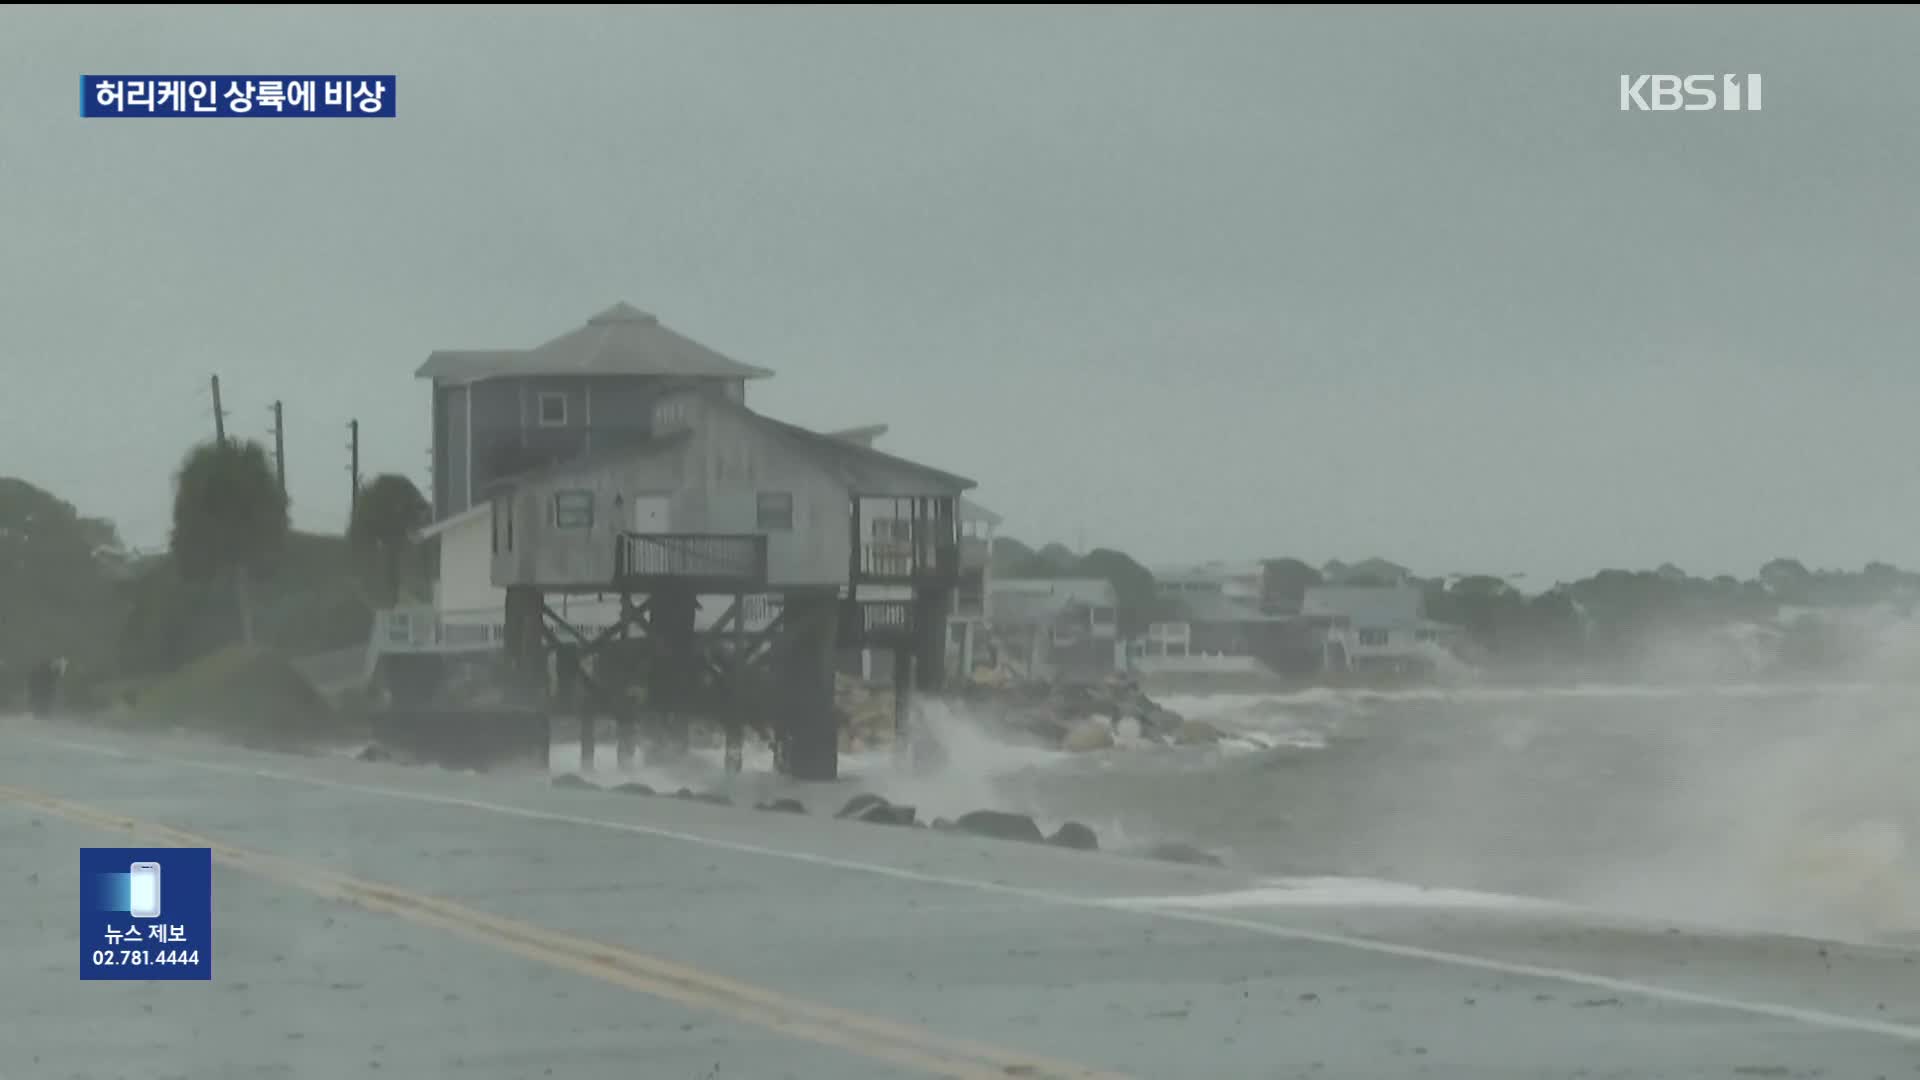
x=715, y=478
x=466, y=567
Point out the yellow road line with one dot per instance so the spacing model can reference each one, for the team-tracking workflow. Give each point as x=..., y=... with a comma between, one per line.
x=869, y=1036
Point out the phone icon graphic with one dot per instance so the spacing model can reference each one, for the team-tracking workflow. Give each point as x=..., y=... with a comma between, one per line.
x=143, y=890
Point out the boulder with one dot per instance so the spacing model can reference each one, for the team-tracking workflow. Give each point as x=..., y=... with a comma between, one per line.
x=1001, y=826
x=782, y=806
x=1196, y=733
x=712, y=797
x=1075, y=835
x=858, y=805
x=575, y=781
x=887, y=814
x=1089, y=734
x=633, y=787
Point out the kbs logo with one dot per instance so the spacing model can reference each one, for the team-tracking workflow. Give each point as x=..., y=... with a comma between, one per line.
x=1691, y=93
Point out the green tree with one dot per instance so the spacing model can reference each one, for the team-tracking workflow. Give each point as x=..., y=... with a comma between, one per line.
x=385, y=516
x=1138, y=593
x=1284, y=584
x=229, y=518
x=59, y=573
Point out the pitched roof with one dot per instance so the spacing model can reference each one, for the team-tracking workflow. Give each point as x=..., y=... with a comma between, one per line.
x=622, y=340
x=865, y=436
x=863, y=470
x=1366, y=605
x=973, y=511
x=632, y=451
x=1032, y=600
x=863, y=467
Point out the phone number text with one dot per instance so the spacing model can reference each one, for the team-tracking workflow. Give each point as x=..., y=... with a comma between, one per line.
x=145, y=957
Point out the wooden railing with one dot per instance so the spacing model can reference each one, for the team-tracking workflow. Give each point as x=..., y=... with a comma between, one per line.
x=904, y=560
x=732, y=558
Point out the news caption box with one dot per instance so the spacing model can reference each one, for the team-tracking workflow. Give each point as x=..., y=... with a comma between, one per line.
x=234, y=96
x=146, y=914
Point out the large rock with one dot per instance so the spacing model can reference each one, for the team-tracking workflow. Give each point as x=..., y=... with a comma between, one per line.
x=1089, y=734
x=1075, y=835
x=859, y=804
x=782, y=806
x=1001, y=826
x=1197, y=733
x=887, y=814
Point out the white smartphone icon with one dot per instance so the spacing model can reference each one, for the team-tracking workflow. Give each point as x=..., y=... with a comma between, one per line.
x=143, y=890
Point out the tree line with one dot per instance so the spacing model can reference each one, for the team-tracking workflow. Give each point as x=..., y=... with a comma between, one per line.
x=234, y=571
x=1608, y=622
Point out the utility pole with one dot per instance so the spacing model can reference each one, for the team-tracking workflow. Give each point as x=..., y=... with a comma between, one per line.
x=280, y=448
x=219, y=415
x=353, y=462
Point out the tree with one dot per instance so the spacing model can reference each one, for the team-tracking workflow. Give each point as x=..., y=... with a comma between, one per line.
x=1138, y=593
x=59, y=573
x=229, y=518
x=385, y=516
x=1284, y=584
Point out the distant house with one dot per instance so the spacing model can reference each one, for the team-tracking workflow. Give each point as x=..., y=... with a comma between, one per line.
x=1374, y=572
x=1369, y=627
x=1210, y=614
x=1057, y=627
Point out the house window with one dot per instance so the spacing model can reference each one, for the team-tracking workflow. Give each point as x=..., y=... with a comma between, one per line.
x=773, y=512
x=1373, y=637
x=573, y=510
x=553, y=410
x=1425, y=635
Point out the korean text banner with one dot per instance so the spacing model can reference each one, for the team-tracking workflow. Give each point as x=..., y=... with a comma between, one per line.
x=106, y=96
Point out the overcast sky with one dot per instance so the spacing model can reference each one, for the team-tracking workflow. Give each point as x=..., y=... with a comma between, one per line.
x=1195, y=284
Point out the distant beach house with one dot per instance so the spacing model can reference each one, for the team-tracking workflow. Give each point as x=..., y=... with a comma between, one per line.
x=1375, y=628
x=1212, y=614
x=1057, y=627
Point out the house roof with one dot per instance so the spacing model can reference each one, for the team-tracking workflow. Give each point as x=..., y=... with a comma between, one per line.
x=973, y=511
x=1366, y=605
x=1216, y=607
x=862, y=467
x=868, y=434
x=863, y=470
x=864, y=436
x=622, y=340
x=1037, y=600
x=633, y=451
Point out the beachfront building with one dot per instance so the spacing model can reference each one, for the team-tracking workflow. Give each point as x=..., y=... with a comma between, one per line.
x=967, y=621
x=1209, y=620
x=612, y=484
x=1056, y=628
x=1374, y=627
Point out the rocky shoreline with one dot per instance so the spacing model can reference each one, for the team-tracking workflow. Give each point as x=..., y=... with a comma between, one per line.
x=1074, y=717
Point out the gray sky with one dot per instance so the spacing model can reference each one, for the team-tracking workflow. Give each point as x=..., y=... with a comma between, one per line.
x=1199, y=284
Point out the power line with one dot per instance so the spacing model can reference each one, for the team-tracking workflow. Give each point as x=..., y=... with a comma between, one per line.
x=280, y=448
x=353, y=464
x=219, y=415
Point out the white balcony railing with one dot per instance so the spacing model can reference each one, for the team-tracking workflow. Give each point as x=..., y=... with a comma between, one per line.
x=428, y=629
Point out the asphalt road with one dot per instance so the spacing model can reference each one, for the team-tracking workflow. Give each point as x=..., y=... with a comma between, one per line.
x=375, y=920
